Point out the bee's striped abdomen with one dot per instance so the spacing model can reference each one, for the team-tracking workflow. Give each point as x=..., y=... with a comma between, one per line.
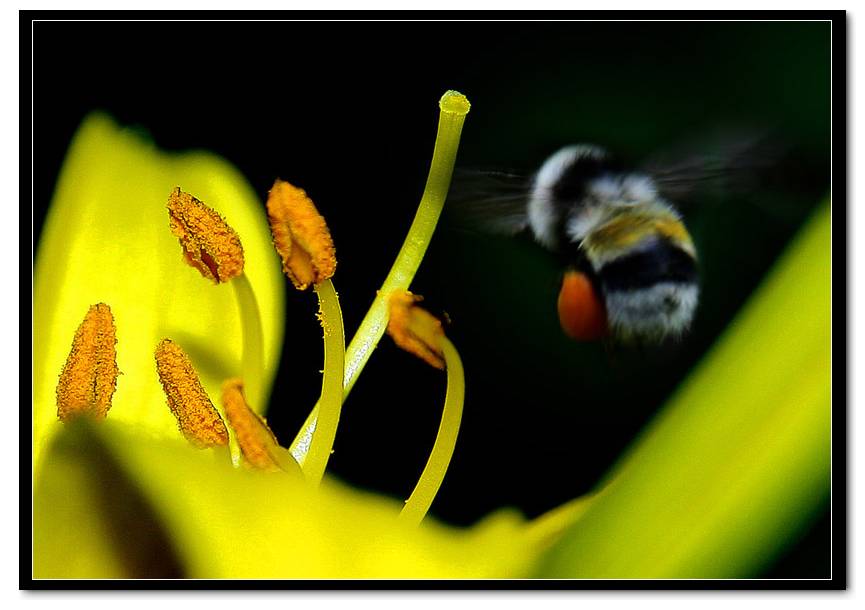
x=661, y=261
x=646, y=268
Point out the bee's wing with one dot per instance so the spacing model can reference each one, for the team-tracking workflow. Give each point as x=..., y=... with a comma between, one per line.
x=731, y=161
x=493, y=201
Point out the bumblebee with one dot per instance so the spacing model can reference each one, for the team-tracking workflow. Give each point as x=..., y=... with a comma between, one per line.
x=631, y=265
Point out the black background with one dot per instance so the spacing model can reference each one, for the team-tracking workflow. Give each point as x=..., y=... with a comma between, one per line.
x=348, y=111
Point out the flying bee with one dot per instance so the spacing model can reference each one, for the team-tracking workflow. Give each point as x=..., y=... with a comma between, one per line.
x=631, y=265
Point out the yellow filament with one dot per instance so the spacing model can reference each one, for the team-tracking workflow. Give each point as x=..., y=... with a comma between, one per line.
x=433, y=474
x=252, y=364
x=197, y=418
x=89, y=377
x=330, y=403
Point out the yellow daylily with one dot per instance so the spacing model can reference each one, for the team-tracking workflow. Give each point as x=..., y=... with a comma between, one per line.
x=113, y=191
x=706, y=486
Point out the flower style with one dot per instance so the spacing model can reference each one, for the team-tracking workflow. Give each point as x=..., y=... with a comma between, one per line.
x=122, y=493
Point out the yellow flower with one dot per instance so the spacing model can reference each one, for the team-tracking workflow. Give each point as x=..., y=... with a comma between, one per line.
x=734, y=465
x=130, y=497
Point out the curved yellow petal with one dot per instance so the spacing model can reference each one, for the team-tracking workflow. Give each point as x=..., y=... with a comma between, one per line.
x=107, y=239
x=217, y=521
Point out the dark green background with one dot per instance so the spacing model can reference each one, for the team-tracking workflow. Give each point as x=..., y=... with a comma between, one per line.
x=348, y=111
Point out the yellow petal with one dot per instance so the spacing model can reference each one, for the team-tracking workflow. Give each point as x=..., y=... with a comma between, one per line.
x=107, y=239
x=225, y=522
x=90, y=520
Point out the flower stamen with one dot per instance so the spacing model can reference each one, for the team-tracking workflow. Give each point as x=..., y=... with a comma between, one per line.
x=213, y=247
x=419, y=332
x=89, y=377
x=321, y=445
x=303, y=241
x=209, y=243
x=197, y=418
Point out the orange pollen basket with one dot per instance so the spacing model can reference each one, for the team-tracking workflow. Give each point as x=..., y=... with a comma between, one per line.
x=581, y=311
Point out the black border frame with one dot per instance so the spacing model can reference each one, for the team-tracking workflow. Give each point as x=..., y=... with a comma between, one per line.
x=840, y=276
